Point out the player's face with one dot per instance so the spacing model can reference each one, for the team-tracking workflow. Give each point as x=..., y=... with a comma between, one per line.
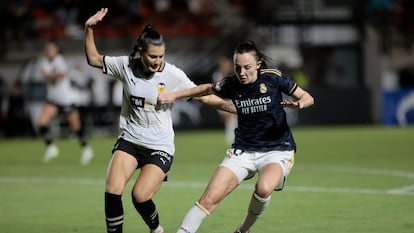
x=153, y=58
x=245, y=67
x=51, y=50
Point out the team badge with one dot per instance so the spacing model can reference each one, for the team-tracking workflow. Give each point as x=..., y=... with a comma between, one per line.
x=161, y=88
x=263, y=88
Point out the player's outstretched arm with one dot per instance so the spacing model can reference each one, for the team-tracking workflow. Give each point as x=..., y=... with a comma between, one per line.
x=218, y=103
x=200, y=90
x=92, y=55
x=304, y=100
x=202, y=93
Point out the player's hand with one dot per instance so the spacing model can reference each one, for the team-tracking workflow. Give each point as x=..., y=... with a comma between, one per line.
x=96, y=18
x=291, y=104
x=166, y=98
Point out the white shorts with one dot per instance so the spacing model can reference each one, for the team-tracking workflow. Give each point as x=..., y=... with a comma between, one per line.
x=245, y=164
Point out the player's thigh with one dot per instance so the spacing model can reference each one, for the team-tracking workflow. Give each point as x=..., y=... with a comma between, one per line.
x=120, y=170
x=47, y=113
x=270, y=175
x=148, y=182
x=223, y=182
x=274, y=167
x=241, y=163
x=73, y=120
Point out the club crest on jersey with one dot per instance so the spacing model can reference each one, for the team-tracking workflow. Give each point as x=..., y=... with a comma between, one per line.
x=262, y=88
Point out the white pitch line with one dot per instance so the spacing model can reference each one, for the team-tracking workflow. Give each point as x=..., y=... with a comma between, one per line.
x=49, y=180
x=362, y=170
x=85, y=181
x=401, y=190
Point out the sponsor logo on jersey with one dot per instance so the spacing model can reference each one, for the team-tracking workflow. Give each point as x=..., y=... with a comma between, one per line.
x=137, y=101
x=249, y=106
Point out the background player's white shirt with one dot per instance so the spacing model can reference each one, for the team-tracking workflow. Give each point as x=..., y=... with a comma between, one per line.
x=58, y=91
x=140, y=122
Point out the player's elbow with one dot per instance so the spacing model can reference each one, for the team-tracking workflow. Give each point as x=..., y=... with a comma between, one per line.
x=94, y=61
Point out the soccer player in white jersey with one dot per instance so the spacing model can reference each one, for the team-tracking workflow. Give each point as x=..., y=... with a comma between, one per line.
x=59, y=100
x=146, y=139
x=263, y=141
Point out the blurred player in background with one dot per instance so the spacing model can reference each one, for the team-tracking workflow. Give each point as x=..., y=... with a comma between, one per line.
x=263, y=143
x=146, y=139
x=59, y=100
x=224, y=68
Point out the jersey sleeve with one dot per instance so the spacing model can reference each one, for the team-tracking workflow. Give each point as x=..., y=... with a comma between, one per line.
x=113, y=66
x=225, y=88
x=182, y=81
x=287, y=85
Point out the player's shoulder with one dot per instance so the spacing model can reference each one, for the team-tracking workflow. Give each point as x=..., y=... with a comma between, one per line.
x=117, y=59
x=228, y=81
x=171, y=69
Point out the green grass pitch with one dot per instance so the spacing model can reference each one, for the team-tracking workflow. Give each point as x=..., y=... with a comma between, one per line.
x=345, y=179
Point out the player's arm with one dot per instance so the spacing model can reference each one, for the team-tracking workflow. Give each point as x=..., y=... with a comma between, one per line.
x=198, y=91
x=93, y=57
x=203, y=93
x=303, y=99
x=218, y=103
x=53, y=75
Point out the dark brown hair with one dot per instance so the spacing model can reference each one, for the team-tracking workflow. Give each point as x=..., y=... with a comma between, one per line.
x=249, y=46
x=148, y=36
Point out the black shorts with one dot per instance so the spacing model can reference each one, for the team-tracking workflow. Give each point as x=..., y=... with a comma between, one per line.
x=144, y=155
x=63, y=109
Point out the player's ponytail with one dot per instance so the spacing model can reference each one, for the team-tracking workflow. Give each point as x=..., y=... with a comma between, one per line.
x=148, y=36
x=250, y=46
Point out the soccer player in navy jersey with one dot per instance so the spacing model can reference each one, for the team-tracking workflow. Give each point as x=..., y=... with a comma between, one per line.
x=263, y=140
x=146, y=138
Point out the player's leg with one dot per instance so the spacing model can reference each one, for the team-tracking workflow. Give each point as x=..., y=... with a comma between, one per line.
x=73, y=119
x=154, y=170
x=120, y=170
x=223, y=182
x=272, y=176
x=48, y=112
x=147, y=184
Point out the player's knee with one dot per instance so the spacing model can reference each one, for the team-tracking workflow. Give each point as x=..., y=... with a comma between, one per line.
x=264, y=192
x=208, y=202
x=114, y=187
x=140, y=195
x=261, y=198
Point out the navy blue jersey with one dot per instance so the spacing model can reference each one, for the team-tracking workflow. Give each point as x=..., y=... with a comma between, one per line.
x=262, y=124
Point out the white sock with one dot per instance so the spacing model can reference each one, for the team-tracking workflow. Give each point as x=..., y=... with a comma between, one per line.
x=192, y=220
x=256, y=207
x=159, y=229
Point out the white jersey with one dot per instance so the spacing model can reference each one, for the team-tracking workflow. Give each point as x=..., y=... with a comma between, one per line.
x=59, y=91
x=140, y=121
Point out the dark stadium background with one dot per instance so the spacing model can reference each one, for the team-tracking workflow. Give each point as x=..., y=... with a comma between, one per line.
x=355, y=57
